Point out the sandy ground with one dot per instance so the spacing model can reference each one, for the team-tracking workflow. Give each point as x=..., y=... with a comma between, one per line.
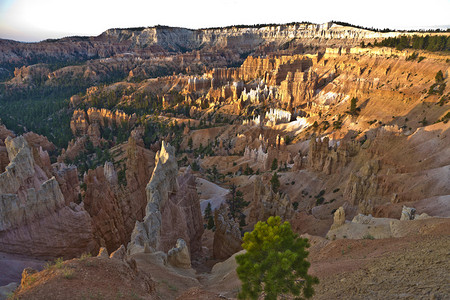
x=210, y=192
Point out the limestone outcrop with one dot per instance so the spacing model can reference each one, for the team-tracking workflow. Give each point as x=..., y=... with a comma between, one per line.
x=368, y=227
x=326, y=159
x=173, y=208
x=120, y=254
x=35, y=219
x=266, y=203
x=182, y=216
x=227, y=236
x=408, y=213
x=362, y=186
x=338, y=218
x=67, y=177
x=90, y=121
x=37, y=140
x=179, y=255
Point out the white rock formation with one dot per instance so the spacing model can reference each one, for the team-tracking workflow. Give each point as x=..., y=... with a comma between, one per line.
x=161, y=184
x=179, y=255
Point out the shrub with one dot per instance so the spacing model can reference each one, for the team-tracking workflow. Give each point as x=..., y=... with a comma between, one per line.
x=287, y=139
x=275, y=262
x=412, y=56
x=368, y=236
x=68, y=273
x=320, y=201
x=85, y=256
x=195, y=166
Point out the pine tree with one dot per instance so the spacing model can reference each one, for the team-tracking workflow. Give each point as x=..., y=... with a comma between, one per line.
x=275, y=183
x=208, y=211
x=274, y=164
x=275, y=262
x=236, y=201
x=353, y=106
x=210, y=224
x=439, y=76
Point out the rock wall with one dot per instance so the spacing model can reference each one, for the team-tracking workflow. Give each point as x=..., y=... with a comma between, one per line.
x=4, y=159
x=35, y=219
x=227, y=236
x=181, y=216
x=103, y=205
x=115, y=207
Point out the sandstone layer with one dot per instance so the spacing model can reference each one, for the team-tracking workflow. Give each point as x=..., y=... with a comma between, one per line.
x=173, y=209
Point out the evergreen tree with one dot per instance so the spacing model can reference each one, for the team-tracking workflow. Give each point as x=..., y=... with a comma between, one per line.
x=275, y=262
x=274, y=164
x=275, y=183
x=208, y=211
x=439, y=76
x=242, y=221
x=236, y=201
x=210, y=224
x=353, y=106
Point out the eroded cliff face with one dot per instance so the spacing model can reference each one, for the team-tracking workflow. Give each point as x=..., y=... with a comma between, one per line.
x=227, y=236
x=266, y=203
x=156, y=40
x=82, y=121
x=173, y=208
x=35, y=219
x=181, y=216
x=113, y=205
x=326, y=159
x=103, y=205
x=4, y=159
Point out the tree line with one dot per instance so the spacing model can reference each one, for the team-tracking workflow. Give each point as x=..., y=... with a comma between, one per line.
x=427, y=42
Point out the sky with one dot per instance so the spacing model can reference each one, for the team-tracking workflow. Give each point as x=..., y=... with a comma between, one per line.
x=35, y=20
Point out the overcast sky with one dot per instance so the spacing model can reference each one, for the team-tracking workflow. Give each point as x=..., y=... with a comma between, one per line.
x=34, y=20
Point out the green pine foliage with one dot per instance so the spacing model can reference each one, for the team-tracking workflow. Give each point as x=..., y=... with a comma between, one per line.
x=427, y=42
x=275, y=262
x=236, y=201
x=274, y=164
x=275, y=183
x=208, y=211
x=439, y=76
x=353, y=109
x=210, y=224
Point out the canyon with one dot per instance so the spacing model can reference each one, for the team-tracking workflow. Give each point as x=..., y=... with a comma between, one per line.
x=177, y=142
